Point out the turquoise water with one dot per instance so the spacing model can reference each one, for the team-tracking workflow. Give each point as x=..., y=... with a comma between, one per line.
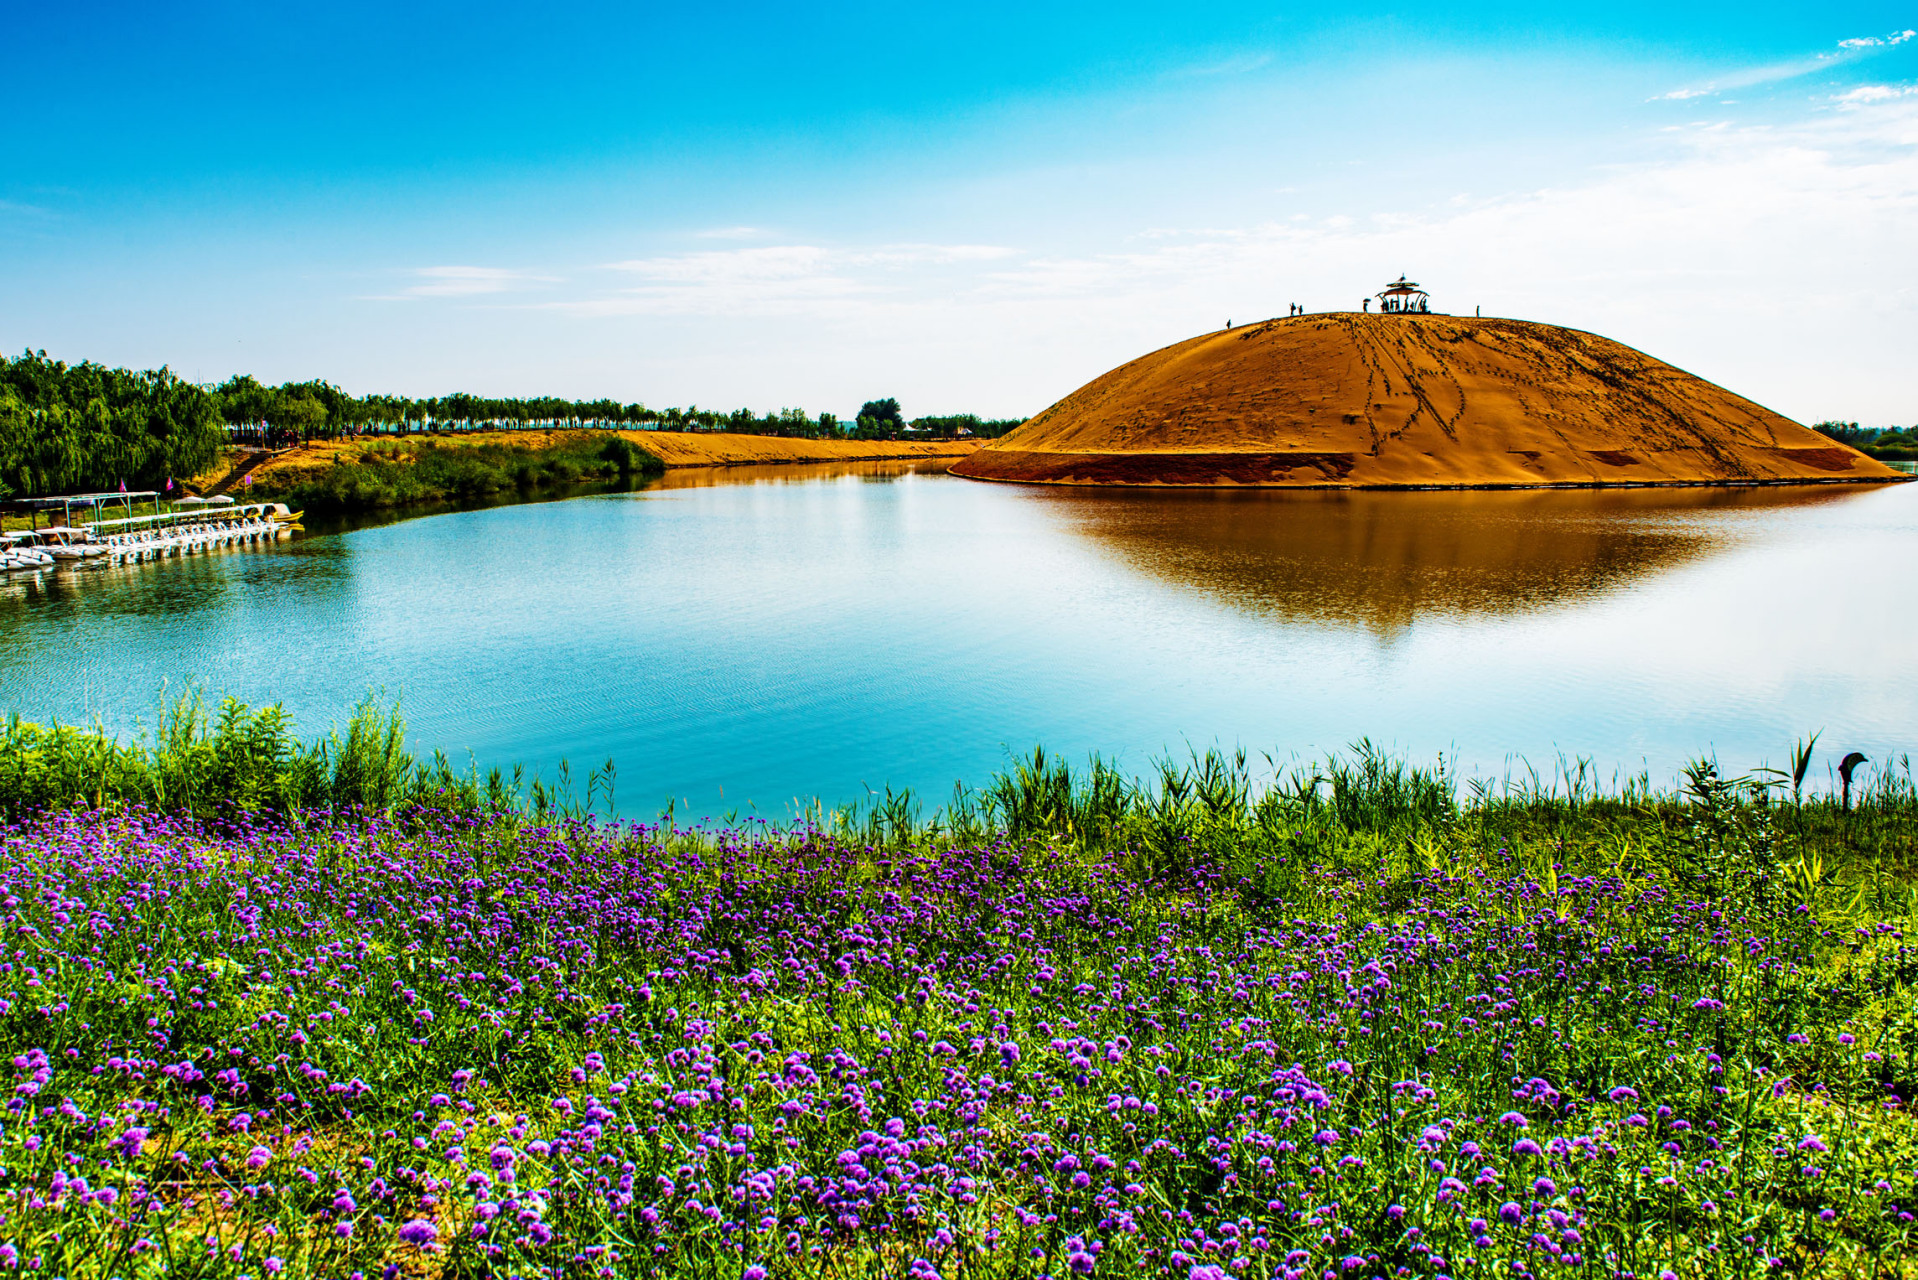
x=738, y=641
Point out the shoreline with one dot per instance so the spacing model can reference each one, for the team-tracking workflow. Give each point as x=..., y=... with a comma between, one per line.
x=728, y=449
x=670, y=449
x=365, y=474
x=1463, y=486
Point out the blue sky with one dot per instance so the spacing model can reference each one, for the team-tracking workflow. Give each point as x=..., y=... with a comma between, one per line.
x=974, y=208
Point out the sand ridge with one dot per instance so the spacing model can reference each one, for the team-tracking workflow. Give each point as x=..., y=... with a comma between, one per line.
x=1391, y=401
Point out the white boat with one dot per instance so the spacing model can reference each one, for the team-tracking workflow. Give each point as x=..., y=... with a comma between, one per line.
x=72, y=545
x=23, y=551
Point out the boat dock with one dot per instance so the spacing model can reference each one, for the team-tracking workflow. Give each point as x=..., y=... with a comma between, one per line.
x=185, y=532
x=192, y=525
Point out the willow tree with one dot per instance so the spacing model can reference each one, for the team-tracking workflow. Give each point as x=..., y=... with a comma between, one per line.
x=76, y=427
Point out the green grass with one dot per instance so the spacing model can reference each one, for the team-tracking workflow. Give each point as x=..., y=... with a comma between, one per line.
x=207, y=761
x=1344, y=1016
x=410, y=473
x=1363, y=807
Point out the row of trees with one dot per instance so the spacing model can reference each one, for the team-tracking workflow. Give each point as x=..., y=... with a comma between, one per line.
x=1888, y=444
x=71, y=428
x=882, y=420
x=319, y=410
x=74, y=428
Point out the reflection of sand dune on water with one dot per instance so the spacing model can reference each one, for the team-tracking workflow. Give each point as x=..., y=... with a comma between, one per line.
x=1384, y=559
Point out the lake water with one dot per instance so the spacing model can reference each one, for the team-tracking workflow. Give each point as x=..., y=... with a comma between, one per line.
x=739, y=640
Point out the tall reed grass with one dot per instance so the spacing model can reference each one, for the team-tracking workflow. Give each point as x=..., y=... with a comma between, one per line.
x=1370, y=808
x=1365, y=807
x=208, y=760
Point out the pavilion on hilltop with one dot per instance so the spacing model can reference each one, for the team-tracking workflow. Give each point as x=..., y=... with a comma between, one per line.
x=1402, y=296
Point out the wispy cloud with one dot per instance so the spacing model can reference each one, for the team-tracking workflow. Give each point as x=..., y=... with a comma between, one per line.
x=1877, y=42
x=907, y=255
x=1847, y=51
x=1866, y=94
x=770, y=279
x=1751, y=77
x=1688, y=227
x=1739, y=244
x=1769, y=259
x=466, y=282
x=463, y=282
x=777, y=279
x=1183, y=233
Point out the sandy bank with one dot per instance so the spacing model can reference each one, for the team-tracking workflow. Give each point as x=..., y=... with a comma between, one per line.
x=1370, y=401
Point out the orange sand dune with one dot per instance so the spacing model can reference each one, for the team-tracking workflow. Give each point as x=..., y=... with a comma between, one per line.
x=1397, y=401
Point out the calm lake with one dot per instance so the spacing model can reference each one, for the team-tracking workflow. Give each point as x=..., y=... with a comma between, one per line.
x=738, y=640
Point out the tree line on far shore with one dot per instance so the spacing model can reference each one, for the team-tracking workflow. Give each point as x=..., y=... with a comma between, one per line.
x=296, y=411
x=69, y=428
x=1887, y=444
x=84, y=427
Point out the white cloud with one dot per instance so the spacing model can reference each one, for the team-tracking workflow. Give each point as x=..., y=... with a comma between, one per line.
x=779, y=279
x=903, y=255
x=1771, y=260
x=775, y=278
x=1718, y=182
x=1877, y=42
x=1848, y=50
x=779, y=262
x=1869, y=93
x=1751, y=77
x=467, y=282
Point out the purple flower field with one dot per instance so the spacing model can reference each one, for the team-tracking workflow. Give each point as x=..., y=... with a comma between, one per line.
x=460, y=1046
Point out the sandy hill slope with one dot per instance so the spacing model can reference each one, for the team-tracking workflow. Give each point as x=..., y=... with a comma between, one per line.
x=1399, y=400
